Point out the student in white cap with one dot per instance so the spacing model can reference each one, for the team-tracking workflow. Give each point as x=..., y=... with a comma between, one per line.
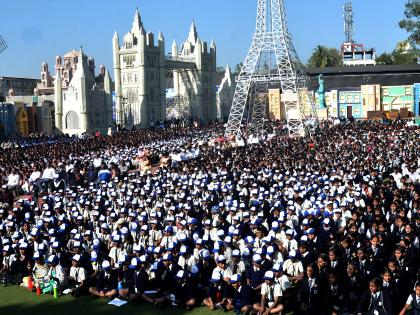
x=293, y=268
x=270, y=296
x=106, y=282
x=78, y=280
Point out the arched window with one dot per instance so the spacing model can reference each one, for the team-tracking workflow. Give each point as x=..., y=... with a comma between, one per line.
x=72, y=120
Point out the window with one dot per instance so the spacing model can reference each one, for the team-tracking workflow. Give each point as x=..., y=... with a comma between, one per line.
x=408, y=91
x=385, y=92
x=357, y=98
x=349, y=98
x=342, y=100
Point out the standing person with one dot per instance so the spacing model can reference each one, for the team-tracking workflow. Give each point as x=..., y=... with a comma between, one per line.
x=375, y=301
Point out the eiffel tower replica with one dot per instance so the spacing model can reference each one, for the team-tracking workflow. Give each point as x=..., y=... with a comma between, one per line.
x=271, y=62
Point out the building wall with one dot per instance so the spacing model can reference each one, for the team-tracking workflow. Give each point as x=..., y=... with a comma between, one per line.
x=20, y=86
x=139, y=77
x=397, y=97
x=351, y=99
x=275, y=111
x=417, y=99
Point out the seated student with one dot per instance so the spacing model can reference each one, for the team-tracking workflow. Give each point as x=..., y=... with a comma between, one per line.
x=106, y=282
x=161, y=283
x=241, y=302
x=56, y=275
x=216, y=292
x=8, y=272
x=77, y=278
x=39, y=271
x=293, y=268
x=270, y=296
x=413, y=301
x=185, y=290
x=137, y=282
x=375, y=300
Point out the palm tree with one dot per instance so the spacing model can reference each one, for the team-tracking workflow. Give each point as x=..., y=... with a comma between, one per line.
x=324, y=57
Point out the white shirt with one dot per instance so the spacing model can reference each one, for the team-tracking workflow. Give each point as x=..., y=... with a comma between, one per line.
x=292, y=268
x=48, y=173
x=78, y=274
x=271, y=291
x=35, y=176
x=13, y=180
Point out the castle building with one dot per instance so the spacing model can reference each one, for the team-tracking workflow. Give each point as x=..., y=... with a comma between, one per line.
x=197, y=84
x=225, y=94
x=140, y=68
x=139, y=76
x=83, y=103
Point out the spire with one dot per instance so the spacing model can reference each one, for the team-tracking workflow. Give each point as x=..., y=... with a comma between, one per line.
x=116, y=35
x=160, y=36
x=192, y=36
x=137, y=20
x=228, y=74
x=58, y=75
x=142, y=30
x=174, y=48
x=213, y=44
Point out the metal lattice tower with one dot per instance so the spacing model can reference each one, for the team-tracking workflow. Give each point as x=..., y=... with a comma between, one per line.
x=272, y=61
x=3, y=44
x=348, y=22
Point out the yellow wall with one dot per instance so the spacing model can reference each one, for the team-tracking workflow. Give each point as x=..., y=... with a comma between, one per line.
x=274, y=104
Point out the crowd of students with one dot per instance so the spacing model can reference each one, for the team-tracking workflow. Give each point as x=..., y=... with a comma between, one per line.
x=327, y=224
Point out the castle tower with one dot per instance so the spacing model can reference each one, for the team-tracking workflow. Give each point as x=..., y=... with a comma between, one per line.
x=139, y=67
x=117, y=76
x=58, y=99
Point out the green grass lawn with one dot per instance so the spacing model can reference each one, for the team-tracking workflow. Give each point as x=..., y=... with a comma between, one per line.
x=15, y=300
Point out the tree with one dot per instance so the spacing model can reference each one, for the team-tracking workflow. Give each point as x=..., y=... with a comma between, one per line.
x=403, y=54
x=238, y=68
x=324, y=57
x=412, y=22
x=385, y=59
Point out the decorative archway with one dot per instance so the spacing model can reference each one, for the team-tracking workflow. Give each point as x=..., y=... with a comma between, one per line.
x=22, y=122
x=72, y=120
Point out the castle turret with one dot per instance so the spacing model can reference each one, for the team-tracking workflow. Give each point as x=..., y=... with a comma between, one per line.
x=58, y=100
x=108, y=96
x=137, y=23
x=192, y=36
x=199, y=112
x=117, y=76
x=162, y=108
x=141, y=117
x=80, y=83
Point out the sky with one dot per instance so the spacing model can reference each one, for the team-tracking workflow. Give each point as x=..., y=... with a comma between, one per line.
x=38, y=30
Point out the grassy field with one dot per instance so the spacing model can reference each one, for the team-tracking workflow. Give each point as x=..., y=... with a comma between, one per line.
x=17, y=301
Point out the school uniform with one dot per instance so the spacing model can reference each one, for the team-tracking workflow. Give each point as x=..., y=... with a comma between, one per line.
x=243, y=297
x=106, y=281
x=375, y=304
x=309, y=295
x=77, y=276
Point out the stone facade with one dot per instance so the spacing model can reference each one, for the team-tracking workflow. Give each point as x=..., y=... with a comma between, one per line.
x=139, y=76
x=198, y=84
x=83, y=103
x=140, y=68
x=225, y=94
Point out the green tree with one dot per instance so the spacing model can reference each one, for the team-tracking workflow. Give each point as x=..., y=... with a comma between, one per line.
x=385, y=59
x=238, y=68
x=323, y=56
x=403, y=54
x=411, y=23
